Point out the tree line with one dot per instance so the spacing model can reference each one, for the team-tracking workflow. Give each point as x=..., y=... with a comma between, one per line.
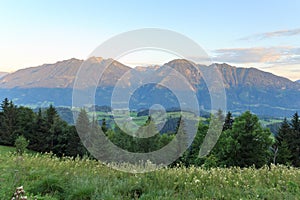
x=243, y=142
x=45, y=130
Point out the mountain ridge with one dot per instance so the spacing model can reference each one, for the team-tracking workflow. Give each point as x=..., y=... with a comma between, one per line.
x=67, y=69
x=57, y=75
x=246, y=88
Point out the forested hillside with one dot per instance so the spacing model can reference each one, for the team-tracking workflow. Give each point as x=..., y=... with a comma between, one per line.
x=244, y=142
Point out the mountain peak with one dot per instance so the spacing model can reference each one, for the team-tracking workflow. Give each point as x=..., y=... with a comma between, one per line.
x=179, y=62
x=95, y=59
x=71, y=60
x=223, y=65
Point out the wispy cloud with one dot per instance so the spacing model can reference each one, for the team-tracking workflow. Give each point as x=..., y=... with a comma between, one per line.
x=270, y=55
x=267, y=35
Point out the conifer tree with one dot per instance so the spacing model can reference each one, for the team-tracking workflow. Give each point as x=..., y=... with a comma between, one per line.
x=281, y=150
x=295, y=140
x=228, y=122
x=247, y=143
x=147, y=138
x=38, y=140
x=8, y=122
x=104, y=125
x=83, y=127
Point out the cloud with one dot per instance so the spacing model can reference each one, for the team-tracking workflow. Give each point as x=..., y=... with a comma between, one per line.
x=295, y=70
x=270, y=55
x=268, y=35
x=291, y=71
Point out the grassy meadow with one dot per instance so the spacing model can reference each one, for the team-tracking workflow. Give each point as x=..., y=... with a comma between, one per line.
x=45, y=176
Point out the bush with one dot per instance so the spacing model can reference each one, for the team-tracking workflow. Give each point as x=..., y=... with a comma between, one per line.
x=21, y=144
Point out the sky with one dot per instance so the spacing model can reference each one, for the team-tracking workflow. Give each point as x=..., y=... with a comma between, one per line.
x=261, y=34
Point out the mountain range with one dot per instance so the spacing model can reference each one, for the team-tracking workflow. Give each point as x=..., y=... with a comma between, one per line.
x=246, y=88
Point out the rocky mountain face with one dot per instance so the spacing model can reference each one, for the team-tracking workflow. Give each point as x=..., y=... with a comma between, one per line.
x=246, y=88
x=2, y=74
x=62, y=74
x=241, y=77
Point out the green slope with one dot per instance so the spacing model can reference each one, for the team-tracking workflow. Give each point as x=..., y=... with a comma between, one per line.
x=47, y=177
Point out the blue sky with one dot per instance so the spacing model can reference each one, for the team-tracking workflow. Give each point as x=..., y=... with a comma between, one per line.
x=261, y=34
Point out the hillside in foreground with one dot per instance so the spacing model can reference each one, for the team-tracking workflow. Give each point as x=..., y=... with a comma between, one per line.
x=51, y=178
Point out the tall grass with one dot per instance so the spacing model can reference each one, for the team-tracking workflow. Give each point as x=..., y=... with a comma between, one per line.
x=48, y=177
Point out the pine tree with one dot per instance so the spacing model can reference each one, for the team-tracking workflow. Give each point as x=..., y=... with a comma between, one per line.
x=5, y=104
x=78, y=136
x=295, y=141
x=98, y=143
x=181, y=142
x=51, y=114
x=247, y=143
x=147, y=138
x=25, y=122
x=193, y=154
x=228, y=122
x=122, y=140
x=220, y=115
x=181, y=136
x=74, y=146
x=8, y=122
x=59, y=136
x=38, y=138
x=83, y=127
x=104, y=125
x=281, y=150
x=214, y=132
x=295, y=123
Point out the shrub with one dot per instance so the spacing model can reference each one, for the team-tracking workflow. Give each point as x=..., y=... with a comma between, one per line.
x=21, y=144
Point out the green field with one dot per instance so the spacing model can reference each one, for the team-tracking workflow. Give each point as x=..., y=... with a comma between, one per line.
x=48, y=177
x=4, y=150
x=138, y=120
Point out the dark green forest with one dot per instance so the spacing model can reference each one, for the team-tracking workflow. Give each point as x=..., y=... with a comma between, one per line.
x=244, y=142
